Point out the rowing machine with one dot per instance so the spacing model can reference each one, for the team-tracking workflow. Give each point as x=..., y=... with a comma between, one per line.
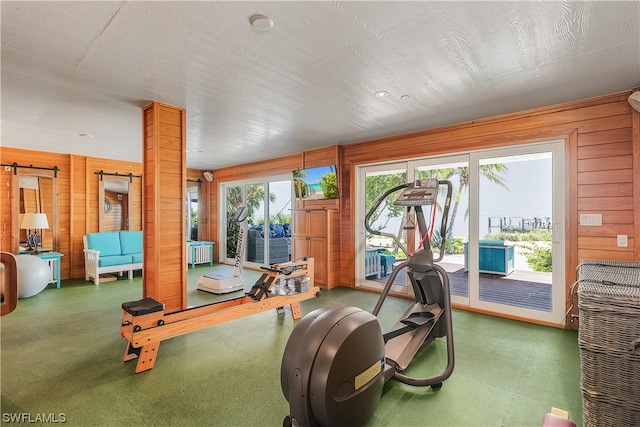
x=145, y=323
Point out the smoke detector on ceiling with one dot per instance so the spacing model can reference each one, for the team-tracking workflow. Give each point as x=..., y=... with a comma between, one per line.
x=261, y=22
x=634, y=100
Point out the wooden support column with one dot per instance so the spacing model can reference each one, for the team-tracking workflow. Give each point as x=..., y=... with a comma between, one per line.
x=164, y=162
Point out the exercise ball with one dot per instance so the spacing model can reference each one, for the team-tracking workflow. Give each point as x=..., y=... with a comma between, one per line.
x=33, y=275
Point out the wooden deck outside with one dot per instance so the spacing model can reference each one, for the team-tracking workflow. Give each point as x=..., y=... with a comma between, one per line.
x=526, y=289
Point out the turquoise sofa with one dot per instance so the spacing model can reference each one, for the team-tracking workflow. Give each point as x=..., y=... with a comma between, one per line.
x=111, y=252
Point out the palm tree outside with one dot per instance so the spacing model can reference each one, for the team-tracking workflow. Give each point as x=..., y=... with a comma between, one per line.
x=254, y=198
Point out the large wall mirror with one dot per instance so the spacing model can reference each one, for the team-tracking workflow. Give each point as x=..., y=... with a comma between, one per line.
x=115, y=193
x=35, y=191
x=193, y=208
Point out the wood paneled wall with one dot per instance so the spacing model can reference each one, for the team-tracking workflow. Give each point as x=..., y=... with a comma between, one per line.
x=602, y=140
x=37, y=159
x=86, y=203
x=602, y=169
x=78, y=198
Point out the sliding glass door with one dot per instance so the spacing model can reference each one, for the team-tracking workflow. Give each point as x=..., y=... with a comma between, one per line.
x=268, y=238
x=376, y=255
x=505, y=244
x=518, y=231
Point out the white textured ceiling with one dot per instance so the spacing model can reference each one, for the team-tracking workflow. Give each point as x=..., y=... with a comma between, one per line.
x=71, y=68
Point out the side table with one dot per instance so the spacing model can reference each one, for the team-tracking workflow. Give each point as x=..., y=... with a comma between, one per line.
x=53, y=260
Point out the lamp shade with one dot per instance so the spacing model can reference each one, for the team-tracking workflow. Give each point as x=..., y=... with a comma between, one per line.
x=34, y=221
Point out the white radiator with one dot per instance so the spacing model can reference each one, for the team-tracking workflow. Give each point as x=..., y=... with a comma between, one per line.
x=199, y=253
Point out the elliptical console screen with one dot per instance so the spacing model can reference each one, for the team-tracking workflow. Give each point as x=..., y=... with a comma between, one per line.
x=422, y=192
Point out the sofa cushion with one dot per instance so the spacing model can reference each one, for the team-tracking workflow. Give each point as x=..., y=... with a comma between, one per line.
x=108, y=243
x=136, y=258
x=114, y=260
x=276, y=230
x=130, y=242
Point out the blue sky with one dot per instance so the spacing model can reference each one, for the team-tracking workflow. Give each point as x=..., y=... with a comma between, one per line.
x=315, y=174
x=529, y=182
x=528, y=195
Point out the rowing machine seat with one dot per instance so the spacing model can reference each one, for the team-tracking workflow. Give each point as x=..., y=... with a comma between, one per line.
x=142, y=306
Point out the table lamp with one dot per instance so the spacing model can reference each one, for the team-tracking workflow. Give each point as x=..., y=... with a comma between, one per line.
x=35, y=222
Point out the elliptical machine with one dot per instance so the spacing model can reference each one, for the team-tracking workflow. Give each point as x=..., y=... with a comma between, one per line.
x=337, y=359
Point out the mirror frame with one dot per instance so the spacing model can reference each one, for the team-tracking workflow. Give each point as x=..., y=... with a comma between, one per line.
x=54, y=226
x=130, y=210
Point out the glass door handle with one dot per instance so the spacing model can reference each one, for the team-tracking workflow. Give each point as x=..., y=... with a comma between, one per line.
x=555, y=234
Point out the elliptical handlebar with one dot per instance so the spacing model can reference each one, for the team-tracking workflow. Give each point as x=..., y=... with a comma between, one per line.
x=443, y=223
x=445, y=219
x=375, y=206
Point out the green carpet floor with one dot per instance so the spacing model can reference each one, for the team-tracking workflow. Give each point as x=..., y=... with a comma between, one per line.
x=62, y=354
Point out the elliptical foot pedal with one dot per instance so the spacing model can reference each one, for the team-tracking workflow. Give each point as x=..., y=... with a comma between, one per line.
x=418, y=319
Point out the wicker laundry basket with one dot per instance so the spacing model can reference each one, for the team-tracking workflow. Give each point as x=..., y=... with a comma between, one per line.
x=609, y=339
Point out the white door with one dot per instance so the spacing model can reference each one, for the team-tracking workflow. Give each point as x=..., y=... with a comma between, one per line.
x=515, y=252
x=375, y=255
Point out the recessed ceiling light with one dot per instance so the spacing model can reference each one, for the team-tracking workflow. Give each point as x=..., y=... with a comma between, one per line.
x=261, y=22
x=86, y=135
x=381, y=93
x=405, y=97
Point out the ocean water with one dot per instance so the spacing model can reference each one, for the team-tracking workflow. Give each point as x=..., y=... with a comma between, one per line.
x=314, y=189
